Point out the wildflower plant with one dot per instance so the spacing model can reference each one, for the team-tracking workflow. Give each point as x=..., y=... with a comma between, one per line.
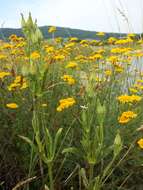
x=78, y=103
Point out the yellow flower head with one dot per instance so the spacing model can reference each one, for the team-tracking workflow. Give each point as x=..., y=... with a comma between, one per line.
x=108, y=72
x=131, y=35
x=126, y=117
x=113, y=59
x=50, y=49
x=73, y=39
x=65, y=103
x=4, y=74
x=111, y=40
x=140, y=143
x=12, y=105
x=52, y=29
x=35, y=55
x=59, y=57
x=96, y=57
x=69, y=79
x=133, y=90
x=100, y=34
x=71, y=64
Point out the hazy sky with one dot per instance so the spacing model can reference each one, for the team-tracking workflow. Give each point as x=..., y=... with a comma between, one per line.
x=97, y=15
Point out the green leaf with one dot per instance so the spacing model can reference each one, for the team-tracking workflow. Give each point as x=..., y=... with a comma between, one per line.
x=117, y=144
x=57, y=137
x=84, y=117
x=26, y=139
x=46, y=187
x=97, y=184
x=101, y=112
x=82, y=173
x=49, y=143
x=71, y=150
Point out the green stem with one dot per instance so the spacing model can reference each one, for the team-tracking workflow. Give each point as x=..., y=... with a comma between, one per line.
x=91, y=169
x=50, y=176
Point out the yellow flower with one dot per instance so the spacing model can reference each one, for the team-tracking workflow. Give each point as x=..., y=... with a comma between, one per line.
x=140, y=143
x=12, y=105
x=69, y=79
x=131, y=35
x=13, y=86
x=126, y=117
x=111, y=40
x=65, y=103
x=50, y=49
x=124, y=41
x=73, y=39
x=59, y=57
x=71, y=44
x=58, y=39
x=113, y=59
x=18, y=82
x=13, y=38
x=133, y=90
x=18, y=79
x=52, y=29
x=119, y=69
x=71, y=64
x=108, y=72
x=24, y=85
x=82, y=42
x=7, y=46
x=96, y=57
x=129, y=98
x=100, y=34
x=121, y=50
x=4, y=74
x=35, y=55
x=2, y=56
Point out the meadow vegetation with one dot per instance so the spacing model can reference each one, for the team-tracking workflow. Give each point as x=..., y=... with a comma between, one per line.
x=71, y=112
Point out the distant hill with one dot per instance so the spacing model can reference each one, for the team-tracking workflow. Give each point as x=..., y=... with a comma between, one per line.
x=61, y=31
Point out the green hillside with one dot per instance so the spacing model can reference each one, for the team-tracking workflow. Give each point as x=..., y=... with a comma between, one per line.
x=61, y=31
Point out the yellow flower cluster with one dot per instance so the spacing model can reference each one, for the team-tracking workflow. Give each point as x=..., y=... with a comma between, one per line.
x=126, y=117
x=65, y=103
x=129, y=98
x=19, y=82
x=121, y=50
x=123, y=41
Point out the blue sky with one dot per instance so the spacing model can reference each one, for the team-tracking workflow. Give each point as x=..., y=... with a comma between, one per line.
x=99, y=15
